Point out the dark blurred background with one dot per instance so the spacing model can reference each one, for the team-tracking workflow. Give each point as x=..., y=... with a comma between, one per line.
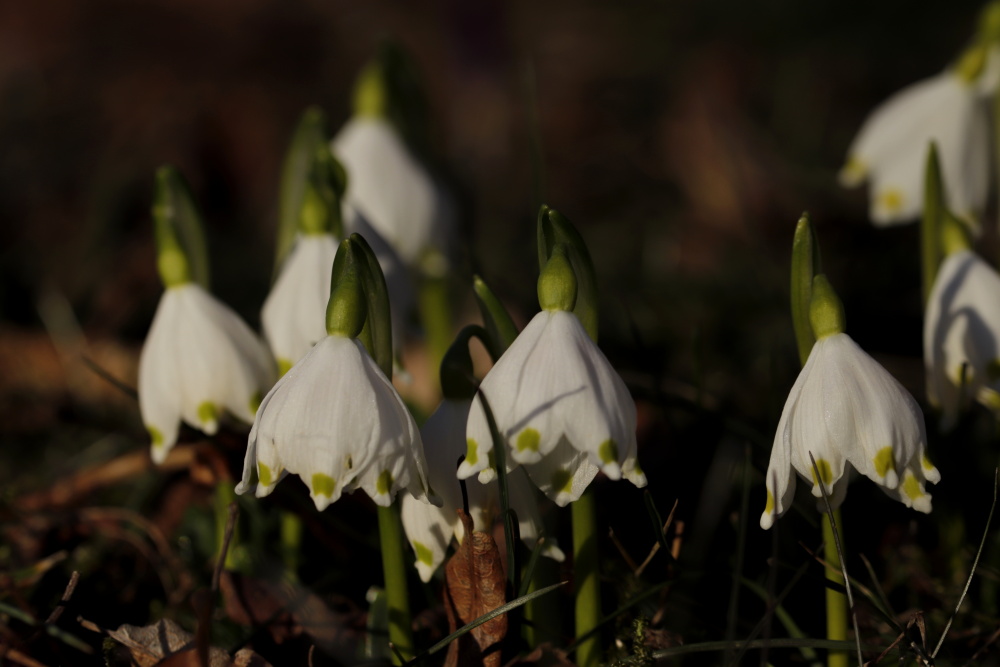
x=683, y=138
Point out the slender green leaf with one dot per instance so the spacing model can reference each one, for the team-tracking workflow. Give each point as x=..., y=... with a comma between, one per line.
x=496, y=319
x=805, y=265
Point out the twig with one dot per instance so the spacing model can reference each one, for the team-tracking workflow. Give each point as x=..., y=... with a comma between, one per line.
x=621, y=549
x=656, y=545
x=67, y=594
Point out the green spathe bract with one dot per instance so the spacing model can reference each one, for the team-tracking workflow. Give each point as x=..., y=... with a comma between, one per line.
x=826, y=313
x=554, y=229
x=557, y=282
x=182, y=255
x=347, y=309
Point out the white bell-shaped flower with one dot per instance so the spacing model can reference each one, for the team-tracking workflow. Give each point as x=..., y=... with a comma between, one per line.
x=294, y=313
x=563, y=409
x=199, y=360
x=429, y=529
x=891, y=148
x=846, y=411
x=392, y=190
x=962, y=336
x=336, y=421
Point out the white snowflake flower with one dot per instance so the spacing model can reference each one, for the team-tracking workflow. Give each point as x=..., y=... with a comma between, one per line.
x=199, y=360
x=563, y=409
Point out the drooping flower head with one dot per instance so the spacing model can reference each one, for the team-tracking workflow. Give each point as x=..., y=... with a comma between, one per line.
x=951, y=109
x=200, y=360
x=846, y=411
x=334, y=419
x=309, y=230
x=389, y=186
x=962, y=329
x=430, y=529
x=563, y=410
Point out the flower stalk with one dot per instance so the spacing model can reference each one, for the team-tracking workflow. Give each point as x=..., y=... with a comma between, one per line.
x=587, y=583
x=836, y=602
x=390, y=532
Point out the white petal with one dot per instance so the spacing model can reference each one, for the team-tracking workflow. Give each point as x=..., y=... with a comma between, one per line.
x=294, y=313
x=336, y=421
x=201, y=354
x=962, y=329
x=891, y=148
x=390, y=188
x=846, y=409
x=429, y=530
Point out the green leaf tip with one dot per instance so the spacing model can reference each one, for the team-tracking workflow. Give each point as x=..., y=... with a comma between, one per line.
x=805, y=265
x=182, y=254
x=499, y=325
x=312, y=185
x=377, y=333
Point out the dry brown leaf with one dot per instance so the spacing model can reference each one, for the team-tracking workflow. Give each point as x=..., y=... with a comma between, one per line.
x=288, y=611
x=475, y=585
x=166, y=644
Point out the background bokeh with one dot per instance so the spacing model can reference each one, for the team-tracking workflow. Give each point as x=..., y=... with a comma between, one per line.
x=683, y=138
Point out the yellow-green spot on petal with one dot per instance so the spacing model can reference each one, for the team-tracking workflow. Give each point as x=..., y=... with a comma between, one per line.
x=207, y=412
x=562, y=480
x=854, y=171
x=284, y=365
x=884, y=461
x=264, y=474
x=491, y=459
x=529, y=438
x=254, y=402
x=323, y=485
x=825, y=472
x=424, y=554
x=911, y=487
x=608, y=451
x=891, y=199
x=926, y=463
x=989, y=398
x=155, y=435
x=384, y=483
x=993, y=370
x=769, y=505
x=471, y=452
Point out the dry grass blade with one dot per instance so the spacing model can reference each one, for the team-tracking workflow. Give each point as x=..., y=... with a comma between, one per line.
x=975, y=563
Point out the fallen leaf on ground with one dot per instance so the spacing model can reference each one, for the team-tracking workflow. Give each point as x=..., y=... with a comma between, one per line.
x=475, y=585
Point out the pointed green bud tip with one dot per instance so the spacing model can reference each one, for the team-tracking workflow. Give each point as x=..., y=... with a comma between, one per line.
x=954, y=234
x=316, y=214
x=826, y=312
x=557, y=283
x=370, y=94
x=347, y=310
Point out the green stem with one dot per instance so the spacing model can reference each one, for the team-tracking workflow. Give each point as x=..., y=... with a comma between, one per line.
x=930, y=223
x=836, y=602
x=588, y=587
x=390, y=532
x=291, y=541
x=435, y=315
x=225, y=494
